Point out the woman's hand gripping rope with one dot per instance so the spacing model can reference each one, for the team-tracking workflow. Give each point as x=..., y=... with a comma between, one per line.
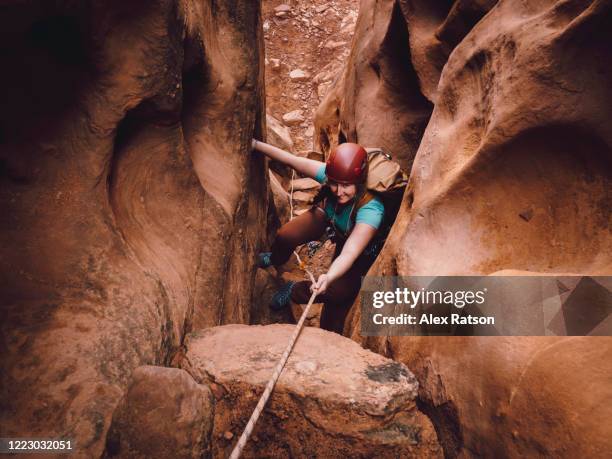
x=320, y=286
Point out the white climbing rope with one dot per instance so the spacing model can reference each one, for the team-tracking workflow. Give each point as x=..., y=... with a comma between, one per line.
x=281, y=364
x=291, y=195
x=271, y=383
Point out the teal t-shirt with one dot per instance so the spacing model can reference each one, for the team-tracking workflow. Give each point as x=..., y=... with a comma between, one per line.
x=371, y=213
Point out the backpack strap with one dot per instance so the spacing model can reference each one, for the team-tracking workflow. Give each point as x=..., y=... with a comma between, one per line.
x=366, y=197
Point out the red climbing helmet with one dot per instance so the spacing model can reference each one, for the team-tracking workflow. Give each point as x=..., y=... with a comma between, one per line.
x=347, y=164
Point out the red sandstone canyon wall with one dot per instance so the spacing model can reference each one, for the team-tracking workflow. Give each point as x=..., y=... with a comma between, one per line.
x=130, y=198
x=501, y=110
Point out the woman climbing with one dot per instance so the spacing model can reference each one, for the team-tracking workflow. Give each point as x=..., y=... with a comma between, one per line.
x=355, y=216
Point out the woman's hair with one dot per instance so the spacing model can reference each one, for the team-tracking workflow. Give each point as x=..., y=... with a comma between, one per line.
x=324, y=192
x=361, y=189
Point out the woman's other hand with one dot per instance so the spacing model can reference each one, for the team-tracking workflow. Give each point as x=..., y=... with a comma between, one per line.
x=253, y=144
x=321, y=285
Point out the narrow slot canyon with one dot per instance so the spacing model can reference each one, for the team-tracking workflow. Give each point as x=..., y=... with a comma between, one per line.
x=140, y=316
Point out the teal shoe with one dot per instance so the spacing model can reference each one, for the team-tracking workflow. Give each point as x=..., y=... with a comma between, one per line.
x=281, y=299
x=264, y=260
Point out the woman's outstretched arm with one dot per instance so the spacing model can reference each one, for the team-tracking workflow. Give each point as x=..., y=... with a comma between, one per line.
x=305, y=166
x=353, y=247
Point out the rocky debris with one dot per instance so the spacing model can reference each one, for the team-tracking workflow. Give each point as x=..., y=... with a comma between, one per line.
x=302, y=196
x=129, y=163
x=281, y=199
x=308, y=27
x=518, y=91
x=324, y=80
x=331, y=44
x=276, y=64
x=282, y=11
x=305, y=183
x=328, y=73
x=349, y=20
x=294, y=117
x=278, y=134
x=322, y=90
x=164, y=413
x=300, y=212
x=333, y=399
x=284, y=8
x=302, y=199
x=311, y=154
x=298, y=75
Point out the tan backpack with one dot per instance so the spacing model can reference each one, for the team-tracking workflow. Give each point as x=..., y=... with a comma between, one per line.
x=385, y=176
x=385, y=179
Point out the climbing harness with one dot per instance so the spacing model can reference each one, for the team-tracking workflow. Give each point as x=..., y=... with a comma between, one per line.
x=312, y=247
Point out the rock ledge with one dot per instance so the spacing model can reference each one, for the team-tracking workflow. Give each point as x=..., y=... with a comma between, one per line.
x=333, y=398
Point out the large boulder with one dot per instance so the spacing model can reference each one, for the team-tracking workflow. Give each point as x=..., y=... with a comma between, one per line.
x=164, y=413
x=278, y=134
x=513, y=172
x=129, y=196
x=281, y=199
x=333, y=398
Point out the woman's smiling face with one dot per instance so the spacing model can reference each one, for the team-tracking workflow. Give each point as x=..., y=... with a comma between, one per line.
x=343, y=192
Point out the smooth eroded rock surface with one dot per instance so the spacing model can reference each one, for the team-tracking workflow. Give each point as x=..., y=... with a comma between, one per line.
x=502, y=111
x=164, y=413
x=129, y=196
x=333, y=399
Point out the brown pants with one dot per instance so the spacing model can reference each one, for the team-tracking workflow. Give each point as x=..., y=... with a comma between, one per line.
x=340, y=293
